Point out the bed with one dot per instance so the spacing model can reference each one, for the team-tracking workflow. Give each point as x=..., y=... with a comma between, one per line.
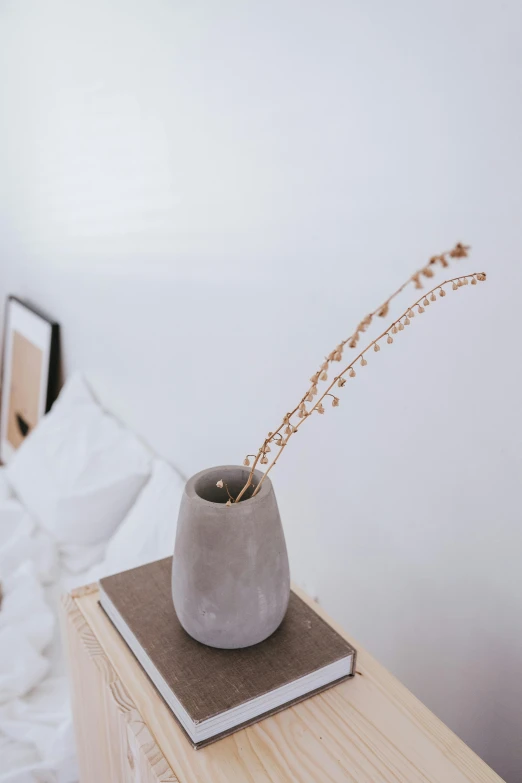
x=82, y=498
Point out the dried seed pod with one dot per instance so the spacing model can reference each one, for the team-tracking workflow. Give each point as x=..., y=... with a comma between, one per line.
x=407, y=321
x=324, y=366
x=353, y=342
x=335, y=402
x=246, y=462
x=383, y=312
x=411, y=314
x=219, y=483
x=427, y=272
x=288, y=430
x=323, y=376
x=454, y=286
x=315, y=378
x=264, y=460
x=416, y=280
x=309, y=397
x=351, y=372
x=267, y=449
x=400, y=327
x=425, y=301
x=313, y=390
x=442, y=292
x=390, y=339
x=228, y=503
x=481, y=276
x=420, y=309
x=337, y=356
x=319, y=408
x=459, y=251
x=394, y=329
x=363, y=362
x=473, y=281
x=433, y=298
x=341, y=382
x=376, y=347
x=302, y=413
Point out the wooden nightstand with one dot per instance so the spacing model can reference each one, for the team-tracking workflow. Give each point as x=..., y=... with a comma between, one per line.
x=369, y=729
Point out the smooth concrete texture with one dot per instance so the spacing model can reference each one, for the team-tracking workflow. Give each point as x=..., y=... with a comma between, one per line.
x=230, y=574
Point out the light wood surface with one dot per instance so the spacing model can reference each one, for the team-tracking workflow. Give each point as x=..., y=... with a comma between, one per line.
x=113, y=742
x=370, y=729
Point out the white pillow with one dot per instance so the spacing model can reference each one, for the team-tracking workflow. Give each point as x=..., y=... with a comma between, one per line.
x=79, y=471
x=149, y=530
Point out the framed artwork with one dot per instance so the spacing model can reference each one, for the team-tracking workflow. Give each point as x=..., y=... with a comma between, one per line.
x=30, y=373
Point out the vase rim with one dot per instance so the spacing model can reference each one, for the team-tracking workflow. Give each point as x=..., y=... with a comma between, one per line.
x=190, y=487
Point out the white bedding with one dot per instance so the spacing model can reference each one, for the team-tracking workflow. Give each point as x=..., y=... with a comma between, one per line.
x=99, y=470
x=36, y=738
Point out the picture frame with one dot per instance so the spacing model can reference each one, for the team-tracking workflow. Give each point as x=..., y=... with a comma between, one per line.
x=30, y=372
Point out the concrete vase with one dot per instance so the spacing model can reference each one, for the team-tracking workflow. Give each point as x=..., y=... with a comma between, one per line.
x=230, y=573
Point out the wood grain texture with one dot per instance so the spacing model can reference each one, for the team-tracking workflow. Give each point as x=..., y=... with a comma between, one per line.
x=114, y=743
x=367, y=730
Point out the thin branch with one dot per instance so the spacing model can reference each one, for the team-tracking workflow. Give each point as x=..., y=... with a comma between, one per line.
x=228, y=492
x=459, y=251
x=456, y=282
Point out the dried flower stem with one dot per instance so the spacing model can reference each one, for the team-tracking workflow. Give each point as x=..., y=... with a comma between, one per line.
x=456, y=282
x=231, y=499
x=459, y=251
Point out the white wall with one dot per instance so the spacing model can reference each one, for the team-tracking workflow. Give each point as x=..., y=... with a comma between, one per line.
x=208, y=196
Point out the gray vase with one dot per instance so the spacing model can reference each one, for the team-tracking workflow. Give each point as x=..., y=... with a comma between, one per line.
x=230, y=574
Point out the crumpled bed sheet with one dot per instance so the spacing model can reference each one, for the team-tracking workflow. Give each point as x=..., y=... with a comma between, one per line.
x=36, y=734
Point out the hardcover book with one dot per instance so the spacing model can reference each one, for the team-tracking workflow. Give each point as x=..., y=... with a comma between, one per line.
x=215, y=692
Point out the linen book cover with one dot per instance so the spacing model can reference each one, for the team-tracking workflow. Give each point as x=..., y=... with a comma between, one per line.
x=214, y=692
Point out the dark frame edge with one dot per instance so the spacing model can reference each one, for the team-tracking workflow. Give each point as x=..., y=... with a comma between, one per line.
x=53, y=378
